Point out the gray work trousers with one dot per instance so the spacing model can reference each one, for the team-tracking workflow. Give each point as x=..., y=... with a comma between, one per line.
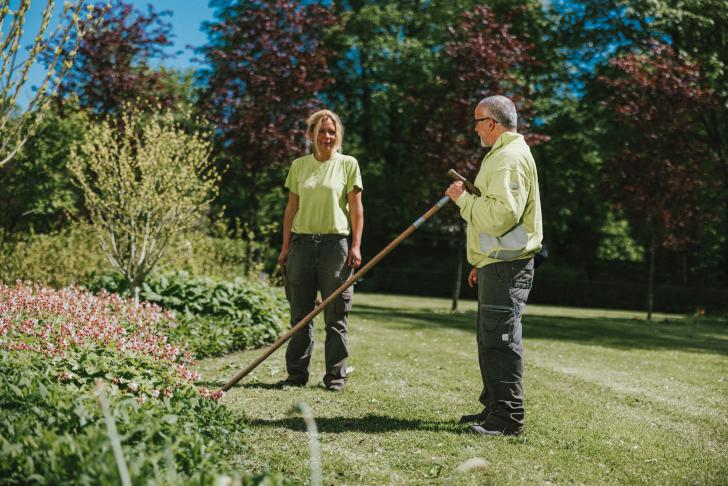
x=318, y=262
x=503, y=289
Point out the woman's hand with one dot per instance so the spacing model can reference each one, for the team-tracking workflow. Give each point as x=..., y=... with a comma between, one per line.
x=473, y=277
x=354, y=258
x=282, y=257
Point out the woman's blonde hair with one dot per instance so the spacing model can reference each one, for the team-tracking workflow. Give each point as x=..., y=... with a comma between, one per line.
x=314, y=125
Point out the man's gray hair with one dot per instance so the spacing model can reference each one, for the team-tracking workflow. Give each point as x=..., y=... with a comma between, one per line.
x=502, y=109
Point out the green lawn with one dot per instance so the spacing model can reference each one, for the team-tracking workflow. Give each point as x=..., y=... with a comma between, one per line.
x=610, y=398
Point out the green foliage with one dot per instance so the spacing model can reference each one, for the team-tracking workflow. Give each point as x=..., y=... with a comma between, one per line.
x=52, y=432
x=569, y=178
x=215, y=316
x=37, y=190
x=617, y=243
x=699, y=28
x=218, y=316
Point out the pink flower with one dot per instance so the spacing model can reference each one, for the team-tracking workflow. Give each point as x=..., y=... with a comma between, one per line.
x=65, y=376
x=57, y=323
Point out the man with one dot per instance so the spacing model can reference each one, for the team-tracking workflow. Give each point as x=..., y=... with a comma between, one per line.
x=504, y=234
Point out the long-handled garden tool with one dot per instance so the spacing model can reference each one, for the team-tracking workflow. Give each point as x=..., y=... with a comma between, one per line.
x=377, y=258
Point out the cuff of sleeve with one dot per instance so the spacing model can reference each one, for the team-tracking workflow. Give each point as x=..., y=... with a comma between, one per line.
x=462, y=200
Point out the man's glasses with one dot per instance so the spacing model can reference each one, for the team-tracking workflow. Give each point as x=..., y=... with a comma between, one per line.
x=486, y=118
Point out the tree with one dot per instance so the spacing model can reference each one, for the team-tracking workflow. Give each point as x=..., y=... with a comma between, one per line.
x=37, y=192
x=144, y=179
x=267, y=67
x=661, y=176
x=112, y=67
x=482, y=58
x=569, y=171
x=699, y=28
x=17, y=126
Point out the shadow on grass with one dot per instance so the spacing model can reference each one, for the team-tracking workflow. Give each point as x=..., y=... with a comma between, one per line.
x=370, y=424
x=215, y=384
x=709, y=337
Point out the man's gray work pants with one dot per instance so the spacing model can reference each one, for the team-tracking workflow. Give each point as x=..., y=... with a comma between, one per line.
x=503, y=289
x=318, y=262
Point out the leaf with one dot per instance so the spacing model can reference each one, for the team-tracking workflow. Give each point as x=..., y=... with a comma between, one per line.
x=170, y=419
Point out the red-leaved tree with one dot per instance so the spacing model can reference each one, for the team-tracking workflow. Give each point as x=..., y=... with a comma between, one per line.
x=482, y=58
x=267, y=66
x=662, y=169
x=112, y=65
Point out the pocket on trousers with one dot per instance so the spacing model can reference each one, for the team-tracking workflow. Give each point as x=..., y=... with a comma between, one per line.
x=521, y=285
x=345, y=300
x=520, y=295
x=498, y=325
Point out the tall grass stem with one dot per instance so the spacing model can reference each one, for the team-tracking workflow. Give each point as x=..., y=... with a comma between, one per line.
x=313, y=443
x=113, y=435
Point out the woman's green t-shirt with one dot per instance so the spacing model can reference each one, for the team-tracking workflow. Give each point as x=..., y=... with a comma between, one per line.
x=322, y=189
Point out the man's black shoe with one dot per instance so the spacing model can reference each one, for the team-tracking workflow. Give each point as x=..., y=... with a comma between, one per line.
x=474, y=418
x=492, y=431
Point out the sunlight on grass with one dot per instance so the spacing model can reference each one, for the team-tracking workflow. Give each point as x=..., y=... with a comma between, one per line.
x=608, y=400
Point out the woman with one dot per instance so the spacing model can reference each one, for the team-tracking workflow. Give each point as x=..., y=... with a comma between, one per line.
x=324, y=208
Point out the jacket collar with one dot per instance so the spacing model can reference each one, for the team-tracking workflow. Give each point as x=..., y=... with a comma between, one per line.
x=505, y=139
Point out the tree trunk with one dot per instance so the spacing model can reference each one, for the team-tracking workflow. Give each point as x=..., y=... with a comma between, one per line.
x=651, y=276
x=135, y=292
x=459, y=272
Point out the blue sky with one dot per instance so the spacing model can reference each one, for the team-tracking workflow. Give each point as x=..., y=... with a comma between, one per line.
x=186, y=19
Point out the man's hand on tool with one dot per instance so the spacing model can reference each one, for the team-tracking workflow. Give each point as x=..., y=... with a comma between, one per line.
x=282, y=257
x=473, y=277
x=455, y=190
x=354, y=258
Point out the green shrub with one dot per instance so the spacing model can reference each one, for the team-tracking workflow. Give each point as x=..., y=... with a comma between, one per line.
x=58, y=259
x=73, y=255
x=214, y=316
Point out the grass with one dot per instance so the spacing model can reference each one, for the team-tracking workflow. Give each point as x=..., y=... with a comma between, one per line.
x=610, y=398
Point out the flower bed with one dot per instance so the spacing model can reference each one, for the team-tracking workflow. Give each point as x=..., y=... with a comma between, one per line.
x=54, y=345
x=215, y=316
